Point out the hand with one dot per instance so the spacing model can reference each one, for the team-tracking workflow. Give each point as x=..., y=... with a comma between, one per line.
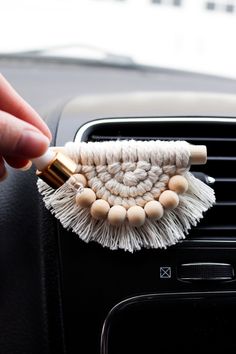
x=23, y=134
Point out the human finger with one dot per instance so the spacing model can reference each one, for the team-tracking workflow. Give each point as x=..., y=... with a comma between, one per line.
x=3, y=171
x=19, y=138
x=18, y=162
x=13, y=103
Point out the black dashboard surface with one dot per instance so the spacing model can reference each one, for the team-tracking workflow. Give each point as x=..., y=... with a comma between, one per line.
x=45, y=84
x=31, y=289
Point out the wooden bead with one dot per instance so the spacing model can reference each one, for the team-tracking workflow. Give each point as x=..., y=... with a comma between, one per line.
x=82, y=179
x=136, y=216
x=85, y=198
x=116, y=215
x=78, y=179
x=100, y=209
x=169, y=199
x=154, y=210
x=178, y=184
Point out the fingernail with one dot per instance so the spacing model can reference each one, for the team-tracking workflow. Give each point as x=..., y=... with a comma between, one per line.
x=37, y=136
x=33, y=143
x=27, y=166
x=4, y=176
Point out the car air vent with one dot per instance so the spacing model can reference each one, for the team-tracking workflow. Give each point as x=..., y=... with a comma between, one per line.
x=218, y=134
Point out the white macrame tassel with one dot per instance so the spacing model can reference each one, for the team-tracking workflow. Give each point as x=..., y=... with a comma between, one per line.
x=167, y=231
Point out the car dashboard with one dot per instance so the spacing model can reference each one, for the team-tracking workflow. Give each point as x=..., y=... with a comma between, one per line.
x=60, y=294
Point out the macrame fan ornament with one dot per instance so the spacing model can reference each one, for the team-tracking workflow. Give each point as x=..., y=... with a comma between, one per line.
x=129, y=194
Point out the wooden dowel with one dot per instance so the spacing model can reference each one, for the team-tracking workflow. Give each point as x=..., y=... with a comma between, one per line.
x=198, y=153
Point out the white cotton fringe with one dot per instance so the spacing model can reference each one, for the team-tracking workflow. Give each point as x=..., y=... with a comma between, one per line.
x=171, y=228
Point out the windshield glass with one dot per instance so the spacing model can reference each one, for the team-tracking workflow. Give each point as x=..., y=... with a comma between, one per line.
x=192, y=35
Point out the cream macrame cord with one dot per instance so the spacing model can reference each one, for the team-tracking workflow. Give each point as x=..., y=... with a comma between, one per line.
x=129, y=180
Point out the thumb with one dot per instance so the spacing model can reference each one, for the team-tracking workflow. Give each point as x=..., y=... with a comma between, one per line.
x=19, y=138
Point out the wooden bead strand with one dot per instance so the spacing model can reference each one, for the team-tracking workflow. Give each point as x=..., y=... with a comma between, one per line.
x=169, y=199
x=116, y=215
x=99, y=209
x=82, y=179
x=136, y=216
x=154, y=210
x=85, y=198
x=77, y=180
x=178, y=184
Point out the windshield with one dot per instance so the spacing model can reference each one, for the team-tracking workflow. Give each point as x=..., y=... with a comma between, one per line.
x=192, y=35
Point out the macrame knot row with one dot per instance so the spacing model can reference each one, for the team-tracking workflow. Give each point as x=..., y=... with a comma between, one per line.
x=129, y=173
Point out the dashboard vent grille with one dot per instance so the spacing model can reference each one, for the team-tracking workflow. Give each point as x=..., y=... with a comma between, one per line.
x=218, y=134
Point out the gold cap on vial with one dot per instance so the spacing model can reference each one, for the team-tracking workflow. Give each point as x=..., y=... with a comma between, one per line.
x=58, y=171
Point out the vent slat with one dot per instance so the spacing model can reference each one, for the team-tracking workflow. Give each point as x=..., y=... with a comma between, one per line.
x=94, y=137
x=219, y=211
x=218, y=168
x=214, y=145
x=225, y=180
x=223, y=230
x=221, y=158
